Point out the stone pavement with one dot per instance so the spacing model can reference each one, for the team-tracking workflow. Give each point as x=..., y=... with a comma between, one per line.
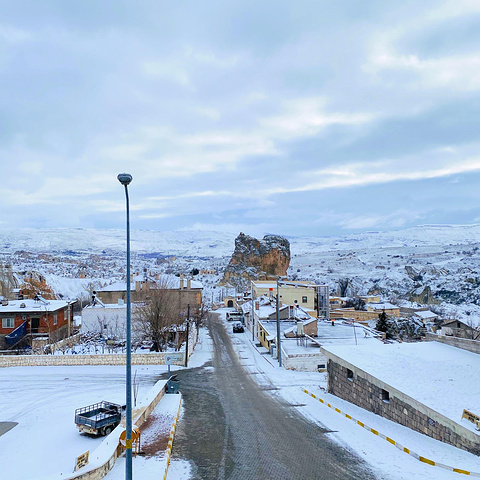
x=231, y=429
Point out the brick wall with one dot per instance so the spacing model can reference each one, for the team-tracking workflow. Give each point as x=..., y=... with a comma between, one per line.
x=463, y=343
x=355, y=386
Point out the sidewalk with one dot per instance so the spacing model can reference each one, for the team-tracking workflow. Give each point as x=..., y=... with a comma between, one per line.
x=154, y=441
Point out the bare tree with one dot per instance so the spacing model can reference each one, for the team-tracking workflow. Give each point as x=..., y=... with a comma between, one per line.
x=472, y=332
x=199, y=314
x=154, y=318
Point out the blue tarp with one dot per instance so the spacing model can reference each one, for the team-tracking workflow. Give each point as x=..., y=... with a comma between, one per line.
x=17, y=334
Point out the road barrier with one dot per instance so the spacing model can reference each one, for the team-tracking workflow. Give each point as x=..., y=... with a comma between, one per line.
x=393, y=442
x=170, y=440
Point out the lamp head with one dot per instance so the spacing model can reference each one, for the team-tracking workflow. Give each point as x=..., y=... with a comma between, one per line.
x=124, y=178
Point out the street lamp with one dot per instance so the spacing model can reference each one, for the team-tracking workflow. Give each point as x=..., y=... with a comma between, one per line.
x=125, y=179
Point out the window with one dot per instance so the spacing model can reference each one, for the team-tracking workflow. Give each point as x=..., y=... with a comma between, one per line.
x=304, y=299
x=385, y=396
x=55, y=318
x=322, y=366
x=349, y=375
x=8, y=322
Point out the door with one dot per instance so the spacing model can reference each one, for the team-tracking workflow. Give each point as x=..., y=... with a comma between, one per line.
x=35, y=324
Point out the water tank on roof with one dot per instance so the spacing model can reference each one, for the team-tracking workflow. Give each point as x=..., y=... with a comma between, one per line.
x=300, y=331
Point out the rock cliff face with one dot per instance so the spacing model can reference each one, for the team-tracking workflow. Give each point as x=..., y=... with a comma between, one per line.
x=255, y=259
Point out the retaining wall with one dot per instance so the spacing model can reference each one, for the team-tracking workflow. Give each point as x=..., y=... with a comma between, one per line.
x=109, y=450
x=72, y=360
x=356, y=386
x=463, y=343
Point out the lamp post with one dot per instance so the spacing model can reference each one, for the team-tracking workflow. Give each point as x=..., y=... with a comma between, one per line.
x=125, y=179
x=279, y=347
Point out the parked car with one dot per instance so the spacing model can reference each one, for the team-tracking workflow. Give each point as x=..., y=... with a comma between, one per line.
x=233, y=316
x=238, y=327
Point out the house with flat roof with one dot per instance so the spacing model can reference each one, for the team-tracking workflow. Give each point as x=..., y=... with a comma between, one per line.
x=21, y=320
x=431, y=399
x=311, y=297
x=182, y=292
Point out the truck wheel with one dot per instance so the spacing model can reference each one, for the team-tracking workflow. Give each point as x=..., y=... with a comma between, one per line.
x=107, y=430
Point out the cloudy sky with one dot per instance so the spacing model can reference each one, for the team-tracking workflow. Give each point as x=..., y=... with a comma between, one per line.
x=312, y=117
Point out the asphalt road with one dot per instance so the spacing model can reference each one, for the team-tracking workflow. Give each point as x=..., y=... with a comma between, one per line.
x=232, y=429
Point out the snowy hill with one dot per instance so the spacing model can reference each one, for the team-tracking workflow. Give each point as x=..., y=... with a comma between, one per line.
x=436, y=260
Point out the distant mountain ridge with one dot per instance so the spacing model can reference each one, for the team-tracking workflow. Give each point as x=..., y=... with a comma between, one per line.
x=217, y=243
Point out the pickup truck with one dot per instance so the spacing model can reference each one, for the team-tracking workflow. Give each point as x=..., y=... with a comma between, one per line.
x=98, y=419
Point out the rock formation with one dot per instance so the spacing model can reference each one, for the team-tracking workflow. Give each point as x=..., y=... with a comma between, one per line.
x=255, y=259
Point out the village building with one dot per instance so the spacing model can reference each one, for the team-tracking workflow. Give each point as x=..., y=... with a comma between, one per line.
x=458, y=328
x=385, y=379
x=182, y=292
x=22, y=320
x=314, y=299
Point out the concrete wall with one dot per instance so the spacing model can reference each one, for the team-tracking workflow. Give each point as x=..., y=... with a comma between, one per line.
x=367, y=392
x=463, y=343
x=71, y=360
x=308, y=362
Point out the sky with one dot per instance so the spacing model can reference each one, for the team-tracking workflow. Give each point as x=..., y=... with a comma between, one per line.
x=305, y=118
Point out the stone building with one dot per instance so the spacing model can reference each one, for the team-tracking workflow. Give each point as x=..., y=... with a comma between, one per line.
x=183, y=292
x=424, y=386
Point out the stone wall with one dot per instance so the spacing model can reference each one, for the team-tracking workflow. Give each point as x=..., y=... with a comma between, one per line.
x=463, y=343
x=356, y=386
x=71, y=360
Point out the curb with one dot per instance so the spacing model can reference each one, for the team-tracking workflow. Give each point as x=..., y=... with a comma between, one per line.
x=393, y=442
x=170, y=440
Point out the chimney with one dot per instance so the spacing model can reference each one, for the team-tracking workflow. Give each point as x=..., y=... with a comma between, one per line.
x=189, y=284
x=138, y=286
x=181, y=282
x=257, y=305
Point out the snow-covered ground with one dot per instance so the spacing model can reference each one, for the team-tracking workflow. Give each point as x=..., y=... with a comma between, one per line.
x=385, y=459
x=43, y=401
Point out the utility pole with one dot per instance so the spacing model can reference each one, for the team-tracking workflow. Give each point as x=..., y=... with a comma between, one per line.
x=279, y=347
x=253, y=314
x=186, y=342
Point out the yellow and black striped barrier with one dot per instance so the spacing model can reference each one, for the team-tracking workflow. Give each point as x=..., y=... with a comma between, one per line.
x=393, y=442
x=170, y=439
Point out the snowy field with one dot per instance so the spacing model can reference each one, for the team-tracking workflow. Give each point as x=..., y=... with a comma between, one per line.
x=43, y=401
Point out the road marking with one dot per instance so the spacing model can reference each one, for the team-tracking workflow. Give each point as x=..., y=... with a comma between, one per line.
x=170, y=440
x=393, y=442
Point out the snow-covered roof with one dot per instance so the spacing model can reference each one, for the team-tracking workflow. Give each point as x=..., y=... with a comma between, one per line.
x=426, y=314
x=381, y=306
x=447, y=381
x=171, y=281
x=106, y=305
x=30, y=305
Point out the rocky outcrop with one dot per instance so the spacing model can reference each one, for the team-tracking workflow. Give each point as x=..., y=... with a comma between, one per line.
x=424, y=296
x=255, y=259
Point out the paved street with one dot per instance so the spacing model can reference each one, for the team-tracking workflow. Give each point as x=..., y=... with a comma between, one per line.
x=232, y=429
